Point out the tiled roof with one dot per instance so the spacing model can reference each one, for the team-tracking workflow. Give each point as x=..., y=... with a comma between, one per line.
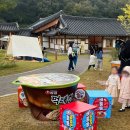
x=92, y=26
x=9, y=27
x=44, y=21
x=24, y=32
x=84, y=26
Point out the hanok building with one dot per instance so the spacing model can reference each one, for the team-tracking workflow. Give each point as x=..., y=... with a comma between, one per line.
x=7, y=29
x=58, y=29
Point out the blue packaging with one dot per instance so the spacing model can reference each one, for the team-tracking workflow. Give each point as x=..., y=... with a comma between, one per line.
x=103, y=100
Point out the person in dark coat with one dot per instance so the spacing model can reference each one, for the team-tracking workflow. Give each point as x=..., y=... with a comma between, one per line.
x=124, y=55
x=70, y=56
x=93, y=49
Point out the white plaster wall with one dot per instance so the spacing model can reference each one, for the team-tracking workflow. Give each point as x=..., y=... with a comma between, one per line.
x=62, y=47
x=104, y=43
x=86, y=40
x=86, y=47
x=45, y=42
x=113, y=42
x=59, y=41
x=79, y=40
x=57, y=47
x=52, y=45
x=45, y=39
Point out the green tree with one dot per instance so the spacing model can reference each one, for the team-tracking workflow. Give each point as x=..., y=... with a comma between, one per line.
x=80, y=8
x=28, y=11
x=108, y=8
x=48, y=7
x=125, y=18
x=7, y=4
x=24, y=13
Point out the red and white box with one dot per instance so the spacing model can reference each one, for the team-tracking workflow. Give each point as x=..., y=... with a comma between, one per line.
x=78, y=116
x=81, y=86
x=22, y=101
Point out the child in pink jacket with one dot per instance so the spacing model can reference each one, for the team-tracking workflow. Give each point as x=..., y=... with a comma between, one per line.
x=113, y=83
x=124, y=97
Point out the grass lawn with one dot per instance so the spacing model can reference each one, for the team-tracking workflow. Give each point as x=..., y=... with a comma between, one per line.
x=22, y=66
x=13, y=118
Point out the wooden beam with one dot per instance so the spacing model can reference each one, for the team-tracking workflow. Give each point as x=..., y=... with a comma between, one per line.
x=41, y=39
x=56, y=41
x=9, y=42
x=43, y=28
x=65, y=42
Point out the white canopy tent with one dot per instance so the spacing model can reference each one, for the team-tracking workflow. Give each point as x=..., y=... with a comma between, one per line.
x=4, y=39
x=24, y=46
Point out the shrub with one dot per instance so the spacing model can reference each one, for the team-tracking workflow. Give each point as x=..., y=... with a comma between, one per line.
x=7, y=63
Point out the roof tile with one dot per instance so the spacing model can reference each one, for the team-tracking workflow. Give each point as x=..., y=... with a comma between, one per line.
x=9, y=27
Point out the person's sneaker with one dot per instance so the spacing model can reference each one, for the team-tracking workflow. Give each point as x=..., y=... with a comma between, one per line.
x=128, y=107
x=122, y=110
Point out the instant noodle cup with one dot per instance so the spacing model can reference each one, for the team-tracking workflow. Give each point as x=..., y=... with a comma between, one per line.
x=45, y=92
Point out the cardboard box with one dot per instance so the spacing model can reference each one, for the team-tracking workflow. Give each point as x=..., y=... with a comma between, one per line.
x=78, y=116
x=103, y=100
x=81, y=86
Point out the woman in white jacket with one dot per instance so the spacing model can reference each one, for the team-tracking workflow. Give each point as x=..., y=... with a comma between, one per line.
x=70, y=55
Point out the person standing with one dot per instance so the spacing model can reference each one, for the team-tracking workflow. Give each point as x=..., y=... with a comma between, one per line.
x=70, y=56
x=75, y=51
x=92, y=61
x=124, y=55
x=99, y=55
x=124, y=97
x=113, y=83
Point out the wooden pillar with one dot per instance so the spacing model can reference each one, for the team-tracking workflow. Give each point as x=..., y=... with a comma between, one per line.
x=10, y=34
x=56, y=41
x=9, y=44
x=65, y=43
x=41, y=40
x=49, y=42
x=77, y=39
x=9, y=40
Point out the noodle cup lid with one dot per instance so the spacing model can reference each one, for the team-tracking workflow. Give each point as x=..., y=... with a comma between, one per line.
x=48, y=80
x=116, y=62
